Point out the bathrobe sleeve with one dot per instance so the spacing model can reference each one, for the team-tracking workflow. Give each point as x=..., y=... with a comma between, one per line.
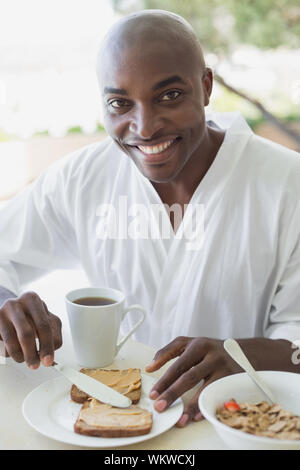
x=284, y=317
x=36, y=233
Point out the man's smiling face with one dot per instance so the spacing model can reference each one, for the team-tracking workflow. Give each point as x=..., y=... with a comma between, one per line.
x=153, y=97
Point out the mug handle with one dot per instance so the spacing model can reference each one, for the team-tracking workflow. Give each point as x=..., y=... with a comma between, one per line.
x=135, y=327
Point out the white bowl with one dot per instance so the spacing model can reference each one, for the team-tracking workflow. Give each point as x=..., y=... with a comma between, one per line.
x=286, y=389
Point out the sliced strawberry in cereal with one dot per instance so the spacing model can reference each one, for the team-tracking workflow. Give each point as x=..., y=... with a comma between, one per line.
x=231, y=405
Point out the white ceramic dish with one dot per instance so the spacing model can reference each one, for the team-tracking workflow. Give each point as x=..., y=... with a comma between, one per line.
x=286, y=388
x=50, y=411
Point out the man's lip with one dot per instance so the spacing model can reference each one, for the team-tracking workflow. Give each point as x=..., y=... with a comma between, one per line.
x=153, y=143
x=157, y=158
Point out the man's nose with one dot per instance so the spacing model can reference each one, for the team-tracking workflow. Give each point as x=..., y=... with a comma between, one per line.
x=146, y=122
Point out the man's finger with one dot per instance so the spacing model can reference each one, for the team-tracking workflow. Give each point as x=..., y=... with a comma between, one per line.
x=191, y=411
x=56, y=326
x=10, y=340
x=183, y=364
x=36, y=309
x=185, y=382
x=26, y=336
x=170, y=351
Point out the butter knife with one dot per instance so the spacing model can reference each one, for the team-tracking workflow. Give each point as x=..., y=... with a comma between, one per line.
x=93, y=387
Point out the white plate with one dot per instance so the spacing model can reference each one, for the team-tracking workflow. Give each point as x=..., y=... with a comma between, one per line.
x=50, y=411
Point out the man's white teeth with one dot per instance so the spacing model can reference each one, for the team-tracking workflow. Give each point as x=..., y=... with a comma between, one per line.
x=156, y=148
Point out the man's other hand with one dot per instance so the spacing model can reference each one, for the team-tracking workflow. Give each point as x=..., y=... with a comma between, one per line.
x=200, y=359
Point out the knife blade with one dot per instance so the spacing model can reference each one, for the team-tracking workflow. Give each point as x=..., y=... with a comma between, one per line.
x=93, y=387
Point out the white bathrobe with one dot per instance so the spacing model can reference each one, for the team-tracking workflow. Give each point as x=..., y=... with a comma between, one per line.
x=240, y=275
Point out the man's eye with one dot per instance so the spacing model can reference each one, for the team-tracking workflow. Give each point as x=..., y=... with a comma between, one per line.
x=171, y=95
x=117, y=104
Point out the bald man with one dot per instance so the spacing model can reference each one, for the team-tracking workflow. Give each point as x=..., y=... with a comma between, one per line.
x=195, y=218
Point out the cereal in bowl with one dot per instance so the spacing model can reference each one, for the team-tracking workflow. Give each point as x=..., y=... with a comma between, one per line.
x=260, y=419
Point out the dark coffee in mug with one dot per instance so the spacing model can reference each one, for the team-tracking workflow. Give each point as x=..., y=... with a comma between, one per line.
x=94, y=301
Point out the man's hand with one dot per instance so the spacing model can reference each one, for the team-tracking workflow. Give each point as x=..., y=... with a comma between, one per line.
x=200, y=359
x=205, y=359
x=22, y=320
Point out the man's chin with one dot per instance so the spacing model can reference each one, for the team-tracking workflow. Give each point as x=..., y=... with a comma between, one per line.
x=165, y=172
x=158, y=173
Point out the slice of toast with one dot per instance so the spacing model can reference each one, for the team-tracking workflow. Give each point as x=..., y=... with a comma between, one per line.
x=99, y=419
x=127, y=381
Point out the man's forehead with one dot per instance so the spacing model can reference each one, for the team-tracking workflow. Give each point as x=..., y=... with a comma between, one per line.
x=155, y=74
x=154, y=51
x=153, y=62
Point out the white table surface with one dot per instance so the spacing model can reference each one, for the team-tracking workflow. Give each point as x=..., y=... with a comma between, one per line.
x=17, y=381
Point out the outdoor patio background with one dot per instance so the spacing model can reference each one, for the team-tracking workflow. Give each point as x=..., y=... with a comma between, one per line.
x=50, y=102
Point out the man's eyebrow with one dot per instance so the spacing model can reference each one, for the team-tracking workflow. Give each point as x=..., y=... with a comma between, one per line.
x=161, y=84
x=168, y=81
x=115, y=91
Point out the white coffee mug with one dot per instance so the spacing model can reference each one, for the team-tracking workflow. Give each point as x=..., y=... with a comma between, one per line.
x=95, y=329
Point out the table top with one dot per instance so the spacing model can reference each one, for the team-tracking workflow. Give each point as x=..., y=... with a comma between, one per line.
x=17, y=381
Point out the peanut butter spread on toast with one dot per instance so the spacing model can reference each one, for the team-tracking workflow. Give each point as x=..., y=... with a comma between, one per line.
x=123, y=381
x=101, y=414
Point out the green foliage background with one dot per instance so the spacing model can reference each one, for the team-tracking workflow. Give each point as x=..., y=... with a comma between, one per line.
x=221, y=25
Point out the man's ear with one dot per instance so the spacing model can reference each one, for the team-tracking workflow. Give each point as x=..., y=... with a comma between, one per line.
x=207, y=80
